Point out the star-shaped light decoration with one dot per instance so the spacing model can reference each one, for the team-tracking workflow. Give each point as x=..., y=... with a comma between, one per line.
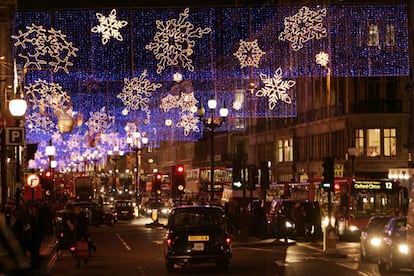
x=322, y=59
x=109, y=27
x=249, y=53
x=275, y=88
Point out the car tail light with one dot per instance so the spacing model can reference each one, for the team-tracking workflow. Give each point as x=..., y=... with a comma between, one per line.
x=169, y=241
x=228, y=240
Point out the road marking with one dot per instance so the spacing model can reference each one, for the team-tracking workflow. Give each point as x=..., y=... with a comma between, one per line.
x=254, y=249
x=123, y=242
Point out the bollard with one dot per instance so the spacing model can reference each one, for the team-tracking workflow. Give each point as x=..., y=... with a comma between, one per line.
x=329, y=239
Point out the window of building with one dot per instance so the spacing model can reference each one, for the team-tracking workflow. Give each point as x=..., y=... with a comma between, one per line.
x=390, y=35
x=390, y=142
x=359, y=142
x=373, y=35
x=285, y=150
x=373, y=142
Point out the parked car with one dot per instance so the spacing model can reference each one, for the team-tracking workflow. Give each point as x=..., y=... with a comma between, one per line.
x=124, y=209
x=370, y=238
x=197, y=234
x=394, y=252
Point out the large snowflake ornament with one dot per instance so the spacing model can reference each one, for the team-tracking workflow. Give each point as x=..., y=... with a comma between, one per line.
x=44, y=95
x=188, y=122
x=109, y=26
x=275, y=88
x=173, y=42
x=47, y=47
x=249, y=53
x=99, y=121
x=136, y=93
x=303, y=26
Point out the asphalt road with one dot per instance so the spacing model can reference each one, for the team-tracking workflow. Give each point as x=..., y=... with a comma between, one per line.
x=130, y=248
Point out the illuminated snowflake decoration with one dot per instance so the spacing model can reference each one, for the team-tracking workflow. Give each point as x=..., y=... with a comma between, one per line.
x=249, y=53
x=169, y=102
x=74, y=141
x=40, y=47
x=109, y=27
x=47, y=97
x=99, y=121
x=322, y=58
x=186, y=101
x=136, y=93
x=188, y=122
x=131, y=128
x=174, y=42
x=275, y=88
x=39, y=124
x=303, y=26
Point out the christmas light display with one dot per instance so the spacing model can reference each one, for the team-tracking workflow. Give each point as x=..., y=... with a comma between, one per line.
x=303, y=26
x=174, y=42
x=47, y=44
x=276, y=89
x=249, y=53
x=109, y=26
x=88, y=74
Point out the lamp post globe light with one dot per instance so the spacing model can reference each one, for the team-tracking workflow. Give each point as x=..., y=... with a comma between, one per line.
x=137, y=142
x=211, y=123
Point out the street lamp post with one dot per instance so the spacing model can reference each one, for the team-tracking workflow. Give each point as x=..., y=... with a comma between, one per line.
x=137, y=142
x=115, y=155
x=212, y=123
x=50, y=152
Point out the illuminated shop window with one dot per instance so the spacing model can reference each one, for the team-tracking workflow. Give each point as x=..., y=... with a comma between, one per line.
x=390, y=142
x=285, y=150
x=373, y=142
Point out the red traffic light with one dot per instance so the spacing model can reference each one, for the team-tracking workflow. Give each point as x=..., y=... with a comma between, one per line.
x=180, y=169
x=158, y=176
x=337, y=187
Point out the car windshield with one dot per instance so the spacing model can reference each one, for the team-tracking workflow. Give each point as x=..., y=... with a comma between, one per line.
x=377, y=223
x=196, y=218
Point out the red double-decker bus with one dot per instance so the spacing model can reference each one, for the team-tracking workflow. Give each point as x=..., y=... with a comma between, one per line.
x=354, y=200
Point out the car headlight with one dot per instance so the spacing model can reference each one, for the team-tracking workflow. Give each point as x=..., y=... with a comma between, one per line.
x=353, y=228
x=403, y=248
x=375, y=241
x=288, y=224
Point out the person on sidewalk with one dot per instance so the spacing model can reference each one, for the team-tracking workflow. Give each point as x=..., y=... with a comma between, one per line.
x=36, y=236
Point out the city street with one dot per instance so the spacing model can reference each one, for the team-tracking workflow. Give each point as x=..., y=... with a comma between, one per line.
x=130, y=248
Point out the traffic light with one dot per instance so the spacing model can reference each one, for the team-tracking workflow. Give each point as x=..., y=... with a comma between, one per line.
x=252, y=177
x=158, y=181
x=264, y=175
x=328, y=174
x=237, y=174
x=178, y=179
